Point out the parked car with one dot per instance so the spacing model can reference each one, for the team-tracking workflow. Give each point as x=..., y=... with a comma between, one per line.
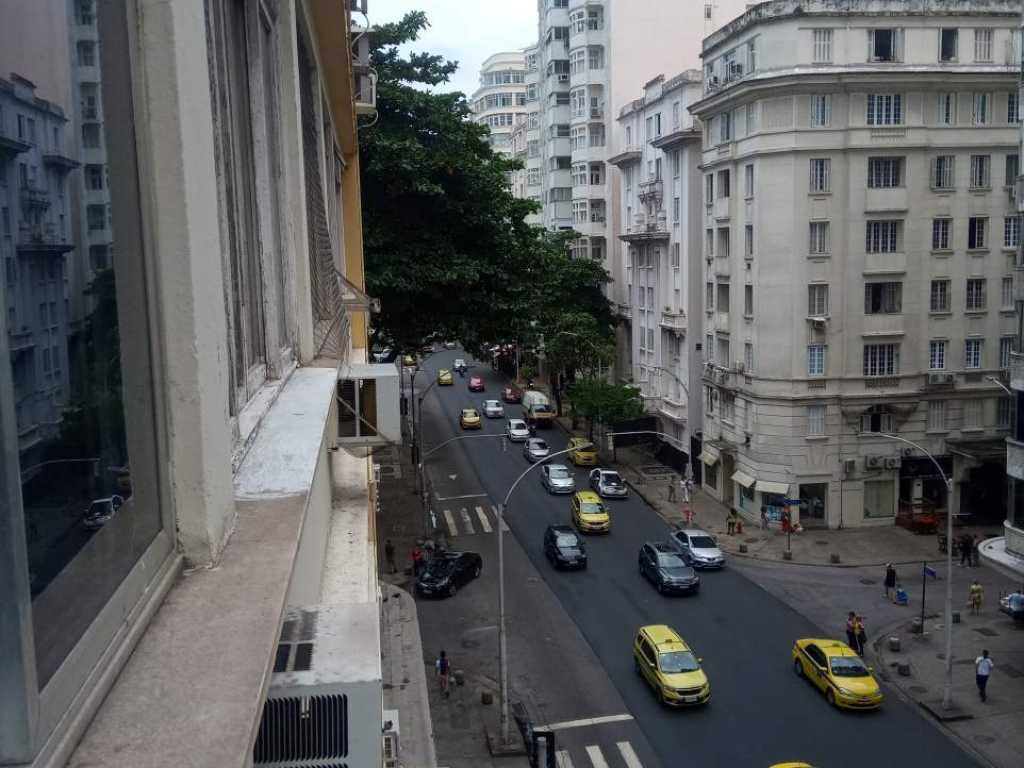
x=536, y=449
x=1012, y=604
x=582, y=452
x=445, y=378
x=698, y=548
x=493, y=409
x=589, y=514
x=608, y=484
x=101, y=512
x=564, y=547
x=836, y=670
x=476, y=384
x=663, y=565
x=512, y=395
x=447, y=571
x=670, y=667
x=469, y=418
x=516, y=430
x=557, y=478
x=449, y=345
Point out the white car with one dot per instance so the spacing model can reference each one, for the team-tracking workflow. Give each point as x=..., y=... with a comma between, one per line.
x=459, y=363
x=536, y=449
x=557, y=478
x=608, y=484
x=449, y=345
x=516, y=430
x=698, y=548
x=493, y=409
x=101, y=512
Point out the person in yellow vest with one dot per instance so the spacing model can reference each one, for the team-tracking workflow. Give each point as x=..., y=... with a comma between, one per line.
x=975, y=594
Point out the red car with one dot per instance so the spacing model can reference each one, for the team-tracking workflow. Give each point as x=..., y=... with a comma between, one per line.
x=512, y=395
x=476, y=384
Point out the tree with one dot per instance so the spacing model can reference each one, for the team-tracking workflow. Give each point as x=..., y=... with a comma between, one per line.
x=600, y=402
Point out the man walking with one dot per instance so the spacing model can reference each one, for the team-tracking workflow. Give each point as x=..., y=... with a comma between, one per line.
x=672, y=489
x=982, y=669
x=851, y=630
x=965, y=549
x=890, y=581
x=389, y=555
x=443, y=665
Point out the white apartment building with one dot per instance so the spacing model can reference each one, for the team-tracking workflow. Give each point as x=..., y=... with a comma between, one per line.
x=526, y=182
x=500, y=101
x=661, y=207
x=859, y=235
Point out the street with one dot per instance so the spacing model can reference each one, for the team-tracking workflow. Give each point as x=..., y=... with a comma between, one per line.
x=760, y=712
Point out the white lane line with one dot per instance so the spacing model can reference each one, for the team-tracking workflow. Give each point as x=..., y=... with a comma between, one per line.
x=596, y=758
x=626, y=750
x=450, y=519
x=504, y=525
x=467, y=523
x=484, y=522
x=457, y=498
x=562, y=759
x=584, y=722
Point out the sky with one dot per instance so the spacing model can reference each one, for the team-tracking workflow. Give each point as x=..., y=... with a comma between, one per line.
x=467, y=31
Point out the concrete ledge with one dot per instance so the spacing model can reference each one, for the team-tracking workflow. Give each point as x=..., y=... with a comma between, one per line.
x=952, y=715
x=993, y=553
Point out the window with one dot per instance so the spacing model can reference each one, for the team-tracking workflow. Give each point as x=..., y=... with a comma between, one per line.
x=1013, y=107
x=975, y=294
x=881, y=359
x=822, y=46
x=722, y=300
x=1011, y=232
x=724, y=127
x=947, y=109
x=885, y=109
x=532, y=177
x=709, y=188
x=879, y=499
x=885, y=44
x=939, y=296
x=885, y=172
x=821, y=175
x=815, y=359
x=752, y=55
x=748, y=180
x=91, y=135
x=977, y=231
x=817, y=300
x=973, y=410
x=942, y=172
x=980, y=108
x=723, y=184
x=948, y=44
x=937, y=355
x=983, y=45
x=936, y=415
x=821, y=110
x=709, y=243
x=748, y=357
x=709, y=297
x=941, y=240
x=883, y=298
x=676, y=165
x=722, y=353
x=723, y=243
x=709, y=349
x=96, y=217
x=883, y=237
x=1005, y=348
x=676, y=261
x=1004, y=413
x=752, y=117
x=981, y=169
x=819, y=244
x=676, y=112
x=579, y=174
x=815, y=420
x=675, y=210
x=748, y=301
x=1012, y=169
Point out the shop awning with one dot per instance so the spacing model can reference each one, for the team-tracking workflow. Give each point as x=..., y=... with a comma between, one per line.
x=710, y=455
x=743, y=479
x=767, y=486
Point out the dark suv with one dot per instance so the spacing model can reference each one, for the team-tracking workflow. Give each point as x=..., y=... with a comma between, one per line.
x=663, y=565
x=564, y=547
x=447, y=571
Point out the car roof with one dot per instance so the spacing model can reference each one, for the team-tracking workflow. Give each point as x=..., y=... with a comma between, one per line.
x=469, y=410
x=588, y=496
x=663, y=546
x=516, y=422
x=694, y=532
x=562, y=529
x=664, y=638
x=579, y=441
x=828, y=646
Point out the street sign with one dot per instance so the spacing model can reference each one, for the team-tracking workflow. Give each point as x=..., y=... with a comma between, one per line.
x=931, y=572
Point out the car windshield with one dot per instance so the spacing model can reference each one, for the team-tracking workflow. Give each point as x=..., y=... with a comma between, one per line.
x=591, y=508
x=538, y=445
x=490, y=403
x=582, y=446
x=848, y=666
x=542, y=408
x=612, y=478
x=439, y=568
x=668, y=560
x=97, y=508
x=517, y=425
x=567, y=540
x=675, y=662
x=558, y=472
x=469, y=412
x=702, y=542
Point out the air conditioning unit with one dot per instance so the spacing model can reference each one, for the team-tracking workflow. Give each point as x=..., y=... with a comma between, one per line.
x=849, y=466
x=323, y=707
x=365, y=92
x=907, y=452
x=892, y=462
x=391, y=738
x=874, y=462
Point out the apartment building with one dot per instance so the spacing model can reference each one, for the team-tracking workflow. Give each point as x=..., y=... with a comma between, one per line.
x=526, y=182
x=193, y=469
x=662, y=210
x=500, y=101
x=859, y=237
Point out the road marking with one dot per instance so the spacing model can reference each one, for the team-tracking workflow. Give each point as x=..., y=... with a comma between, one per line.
x=450, y=519
x=596, y=758
x=504, y=525
x=562, y=759
x=457, y=498
x=584, y=722
x=484, y=522
x=626, y=750
x=467, y=522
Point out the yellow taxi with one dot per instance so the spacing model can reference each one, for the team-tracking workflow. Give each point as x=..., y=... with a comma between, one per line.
x=836, y=669
x=469, y=418
x=589, y=514
x=445, y=378
x=670, y=667
x=581, y=452
x=792, y=765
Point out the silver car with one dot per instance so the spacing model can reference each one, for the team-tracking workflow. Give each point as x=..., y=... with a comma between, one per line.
x=517, y=431
x=101, y=512
x=536, y=449
x=608, y=484
x=493, y=409
x=557, y=478
x=699, y=548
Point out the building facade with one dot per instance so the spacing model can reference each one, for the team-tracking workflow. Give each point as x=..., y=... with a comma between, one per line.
x=859, y=236
x=183, y=321
x=500, y=101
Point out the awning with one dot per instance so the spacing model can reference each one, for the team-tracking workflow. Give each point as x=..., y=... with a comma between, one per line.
x=743, y=479
x=767, y=486
x=710, y=455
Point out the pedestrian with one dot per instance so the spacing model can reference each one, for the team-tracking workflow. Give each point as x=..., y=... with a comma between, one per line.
x=982, y=669
x=764, y=518
x=389, y=555
x=443, y=666
x=965, y=550
x=730, y=522
x=862, y=635
x=974, y=595
x=851, y=630
x=672, y=489
x=417, y=560
x=687, y=485
x=975, y=551
x=890, y=581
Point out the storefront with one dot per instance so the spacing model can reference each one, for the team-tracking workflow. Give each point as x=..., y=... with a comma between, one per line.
x=814, y=505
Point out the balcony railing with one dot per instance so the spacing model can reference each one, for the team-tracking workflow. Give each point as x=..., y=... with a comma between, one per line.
x=651, y=190
x=1017, y=371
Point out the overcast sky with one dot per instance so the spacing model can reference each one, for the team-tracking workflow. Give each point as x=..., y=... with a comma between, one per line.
x=467, y=31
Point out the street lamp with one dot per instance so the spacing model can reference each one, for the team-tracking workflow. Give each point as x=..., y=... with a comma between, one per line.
x=999, y=384
x=947, y=691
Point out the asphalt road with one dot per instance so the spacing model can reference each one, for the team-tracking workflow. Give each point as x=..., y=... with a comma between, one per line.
x=760, y=712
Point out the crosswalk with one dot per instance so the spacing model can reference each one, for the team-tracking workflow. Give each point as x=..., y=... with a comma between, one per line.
x=593, y=757
x=471, y=520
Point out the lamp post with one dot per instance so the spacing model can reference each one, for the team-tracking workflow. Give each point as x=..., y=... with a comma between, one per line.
x=999, y=384
x=947, y=691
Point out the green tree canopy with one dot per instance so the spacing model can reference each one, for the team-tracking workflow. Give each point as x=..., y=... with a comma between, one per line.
x=598, y=401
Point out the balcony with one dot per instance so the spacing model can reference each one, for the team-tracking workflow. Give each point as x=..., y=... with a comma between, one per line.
x=60, y=162
x=721, y=208
x=624, y=311
x=34, y=197
x=673, y=320
x=651, y=191
x=19, y=341
x=11, y=145
x=631, y=154
x=43, y=240
x=672, y=409
x=647, y=227
x=1017, y=371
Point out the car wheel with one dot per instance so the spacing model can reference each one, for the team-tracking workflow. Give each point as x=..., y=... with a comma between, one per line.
x=476, y=572
x=452, y=590
x=798, y=668
x=661, y=588
x=830, y=697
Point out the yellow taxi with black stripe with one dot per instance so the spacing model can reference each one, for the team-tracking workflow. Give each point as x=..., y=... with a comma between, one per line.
x=836, y=670
x=582, y=452
x=589, y=514
x=670, y=667
x=469, y=418
x=445, y=378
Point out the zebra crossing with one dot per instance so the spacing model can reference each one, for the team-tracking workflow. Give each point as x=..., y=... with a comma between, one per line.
x=593, y=757
x=471, y=520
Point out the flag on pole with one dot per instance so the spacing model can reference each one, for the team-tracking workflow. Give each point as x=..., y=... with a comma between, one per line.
x=930, y=572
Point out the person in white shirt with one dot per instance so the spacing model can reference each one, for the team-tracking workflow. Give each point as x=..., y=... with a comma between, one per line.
x=982, y=669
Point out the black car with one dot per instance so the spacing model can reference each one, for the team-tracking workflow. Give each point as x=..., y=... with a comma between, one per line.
x=564, y=547
x=447, y=571
x=663, y=565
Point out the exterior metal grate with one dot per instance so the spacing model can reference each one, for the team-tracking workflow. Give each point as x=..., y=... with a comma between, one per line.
x=281, y=657
x=308, y=729
x=303, y=657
